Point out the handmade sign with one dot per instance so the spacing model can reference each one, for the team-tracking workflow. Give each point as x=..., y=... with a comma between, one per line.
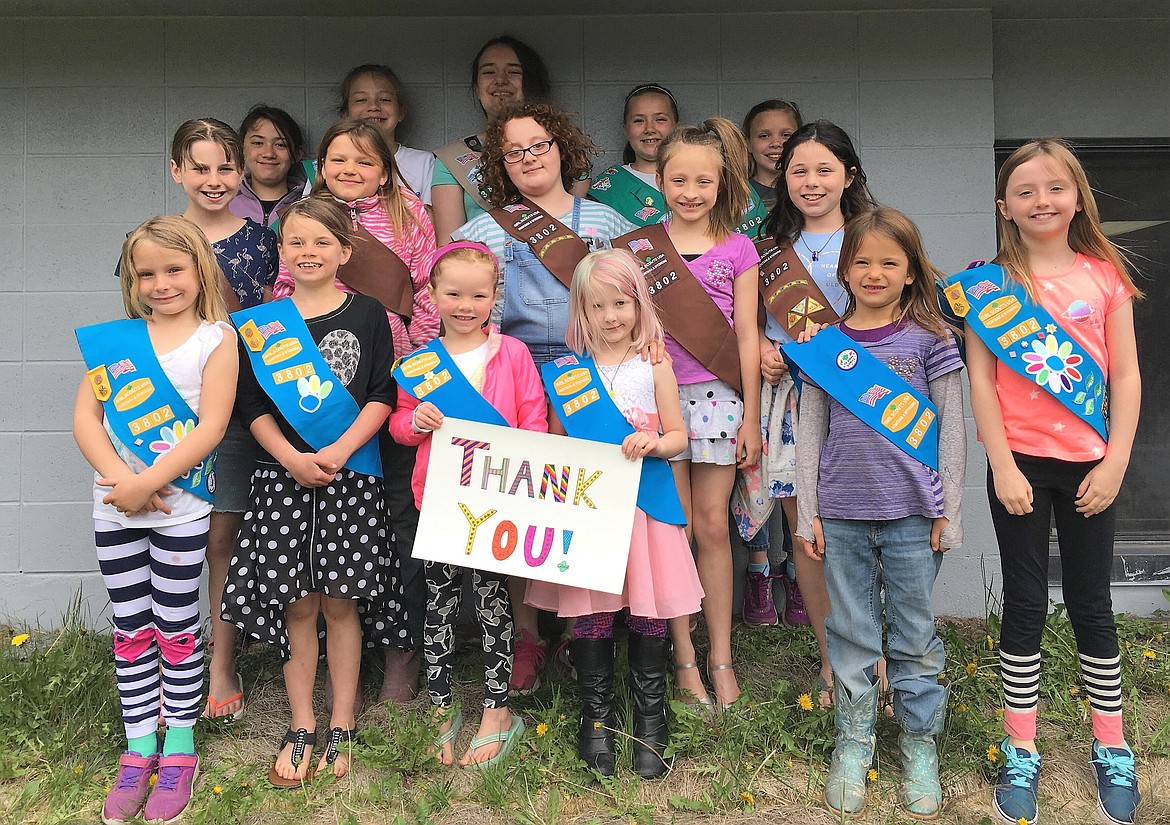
x=528, y=504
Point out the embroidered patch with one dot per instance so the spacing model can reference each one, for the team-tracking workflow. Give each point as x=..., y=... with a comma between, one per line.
x=470, y=157
x=982, y=288
x=646, y=213
x=641, y=245
x=847, y=359
x=873, y=395
x=601, y=185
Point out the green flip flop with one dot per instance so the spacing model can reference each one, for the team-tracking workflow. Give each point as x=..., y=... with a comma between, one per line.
x=449, y=736
x=508, y=738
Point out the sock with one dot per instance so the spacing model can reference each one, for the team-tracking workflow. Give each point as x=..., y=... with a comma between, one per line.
x=765, y=568
x=143, y=745
x=179, y=740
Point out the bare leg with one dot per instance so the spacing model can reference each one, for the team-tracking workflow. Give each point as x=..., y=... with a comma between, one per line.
x=343, y=650
x=221, y=544
x=688, y=680
x=300, y=672
x=710, y=490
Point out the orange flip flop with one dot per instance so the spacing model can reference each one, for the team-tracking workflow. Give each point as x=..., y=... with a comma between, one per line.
x=211, y=710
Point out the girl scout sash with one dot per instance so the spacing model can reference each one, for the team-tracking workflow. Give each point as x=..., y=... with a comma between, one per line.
x=754, y=217
x=861, y=383
x=461, y=157
x=687, y=311
x=432, y=375
x=789, y=293
x=144, y=409
x=373, y=269
x=559, y=248
x=1025, y=337
x=293, y=373
x=587, y=411
x=633, y=198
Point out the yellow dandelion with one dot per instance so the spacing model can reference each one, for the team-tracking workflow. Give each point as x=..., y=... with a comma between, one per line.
x=805, y=702
x=1023, y=820
x=1149, y=654
x=153, y=779
x=748, y=799
x=942, y=677
x=992, y=753
x=561, y=718
x=541, y=729
x=1085, y=702
x=77, y=770
x=962, y=708
x=990, y=642
x=598, y=726
x=19, y=639
x=871, y=775
x=217, y=790
x=999, y=711
x=972, y=668
x=1073, y=690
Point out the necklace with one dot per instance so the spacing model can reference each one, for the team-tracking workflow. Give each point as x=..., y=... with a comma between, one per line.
x=816, y=253
x=620, y=364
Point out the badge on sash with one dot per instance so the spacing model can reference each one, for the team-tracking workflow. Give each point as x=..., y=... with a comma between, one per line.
x=292, y=372
x=630, y=196
x=789, y=292
x=555, y=245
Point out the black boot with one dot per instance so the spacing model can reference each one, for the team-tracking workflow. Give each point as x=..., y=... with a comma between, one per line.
x=593, y=659
x=648, y=691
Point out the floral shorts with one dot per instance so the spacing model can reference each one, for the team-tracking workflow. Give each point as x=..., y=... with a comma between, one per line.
x=712, y=414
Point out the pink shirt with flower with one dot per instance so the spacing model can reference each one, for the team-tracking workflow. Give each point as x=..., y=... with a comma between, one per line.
x=414, y=245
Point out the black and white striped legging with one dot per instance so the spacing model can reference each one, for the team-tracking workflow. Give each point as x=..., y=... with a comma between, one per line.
x=153, y=576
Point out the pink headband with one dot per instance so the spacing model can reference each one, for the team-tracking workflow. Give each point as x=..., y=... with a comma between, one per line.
x=451, y=247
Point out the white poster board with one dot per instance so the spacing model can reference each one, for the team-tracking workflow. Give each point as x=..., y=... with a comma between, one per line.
x=528, y=504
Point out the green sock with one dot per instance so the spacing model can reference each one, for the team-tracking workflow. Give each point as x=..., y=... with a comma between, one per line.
x=143, y=745
x=179, y=740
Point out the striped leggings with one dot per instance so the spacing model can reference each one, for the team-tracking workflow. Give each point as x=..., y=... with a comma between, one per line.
x=153, y=576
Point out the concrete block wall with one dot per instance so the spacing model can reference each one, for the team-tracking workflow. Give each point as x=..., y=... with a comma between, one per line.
x=83, y=144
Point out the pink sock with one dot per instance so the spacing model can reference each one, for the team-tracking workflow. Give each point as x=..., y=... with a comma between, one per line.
x=1107, y=727
x=1020, y=724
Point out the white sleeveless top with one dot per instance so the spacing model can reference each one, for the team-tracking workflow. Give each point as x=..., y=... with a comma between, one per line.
x=631, y=385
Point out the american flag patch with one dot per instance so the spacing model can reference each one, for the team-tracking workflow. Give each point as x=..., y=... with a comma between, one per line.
x=470, y=157
x=122, y=367
x=646, y=212
x=641, y=245
x=874, y=394
x=271, y=328
x=982, y=288
x=515, y=207
x=566, y=361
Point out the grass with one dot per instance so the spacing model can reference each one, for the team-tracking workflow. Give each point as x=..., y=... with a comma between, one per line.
x=763, y=761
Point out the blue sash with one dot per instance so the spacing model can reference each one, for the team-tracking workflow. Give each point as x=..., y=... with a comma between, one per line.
x=858, y=381
x=293, y=373
x=432, y=375
x=573, y=385
x=144, y=409
x=754, y=217
x=1025, y=337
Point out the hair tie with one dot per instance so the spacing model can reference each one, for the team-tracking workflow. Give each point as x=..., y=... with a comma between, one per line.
x=451, y=247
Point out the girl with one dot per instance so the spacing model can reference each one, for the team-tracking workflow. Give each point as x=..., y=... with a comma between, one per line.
x=612, y=321
x=1046, y=459
x=821, y=186
x=532, y=155
x=767, y=127
x=373, y=93
x=701, y=174
x=632, y=189
x=274, y=176
x=151, y=502
x=357, y=168
x=314, y=538
x=498, y=367
x=887, y=526
x=207, y=160
x=504, y=71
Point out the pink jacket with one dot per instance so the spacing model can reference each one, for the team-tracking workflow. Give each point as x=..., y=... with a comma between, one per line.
x=511, y=384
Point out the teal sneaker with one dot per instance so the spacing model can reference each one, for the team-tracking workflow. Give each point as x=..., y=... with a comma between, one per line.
x=1018, y=785
x=1117, y=791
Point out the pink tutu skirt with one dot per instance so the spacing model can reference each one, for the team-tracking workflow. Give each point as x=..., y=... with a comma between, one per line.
x=661, y=580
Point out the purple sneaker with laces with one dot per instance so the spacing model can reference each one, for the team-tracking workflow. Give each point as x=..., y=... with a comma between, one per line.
x=125, y=800
x=795, y=613
x=759, y=610
x=172, y=793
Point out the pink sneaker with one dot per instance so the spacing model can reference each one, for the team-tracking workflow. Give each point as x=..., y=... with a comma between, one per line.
x=794, y=611
x=527, y=660
x=759, y=610
x=126, y=798
x=172, y=793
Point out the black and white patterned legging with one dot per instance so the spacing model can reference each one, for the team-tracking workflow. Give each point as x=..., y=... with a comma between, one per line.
x=493, y=608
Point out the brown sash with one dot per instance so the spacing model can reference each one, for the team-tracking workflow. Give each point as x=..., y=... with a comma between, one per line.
x=559, y=248
x=688, y=313
x=788, y=292
x=373, y=269
x=460, y=157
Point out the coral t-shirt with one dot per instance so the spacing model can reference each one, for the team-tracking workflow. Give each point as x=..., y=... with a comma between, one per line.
x=1037, y=423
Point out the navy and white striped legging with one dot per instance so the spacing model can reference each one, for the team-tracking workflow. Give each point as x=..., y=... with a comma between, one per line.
x=153, y=576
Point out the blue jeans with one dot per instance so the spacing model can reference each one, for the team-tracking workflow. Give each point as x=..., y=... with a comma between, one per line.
x=862, y=557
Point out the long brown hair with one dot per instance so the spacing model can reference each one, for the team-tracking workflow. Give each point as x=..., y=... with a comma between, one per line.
x=575, y=147
x=1084, y=233
x=177, y=233
x=724, y=137
x=369, y=140
x=919, y=301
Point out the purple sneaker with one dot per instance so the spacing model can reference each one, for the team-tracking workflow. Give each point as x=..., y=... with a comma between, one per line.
x=758, y=608
x=794, y=611
x=172, y=793
x=127, y=796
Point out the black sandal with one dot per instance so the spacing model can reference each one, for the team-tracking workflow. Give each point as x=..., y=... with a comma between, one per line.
x=298, y=739
x=336, y=737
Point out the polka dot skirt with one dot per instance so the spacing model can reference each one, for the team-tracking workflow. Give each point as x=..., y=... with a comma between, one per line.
x=299, y=540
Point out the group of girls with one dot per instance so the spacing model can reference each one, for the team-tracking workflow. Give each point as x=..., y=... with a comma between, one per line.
x=719, y=220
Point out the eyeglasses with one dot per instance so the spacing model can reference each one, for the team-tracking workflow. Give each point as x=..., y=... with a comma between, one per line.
x=537, y=149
